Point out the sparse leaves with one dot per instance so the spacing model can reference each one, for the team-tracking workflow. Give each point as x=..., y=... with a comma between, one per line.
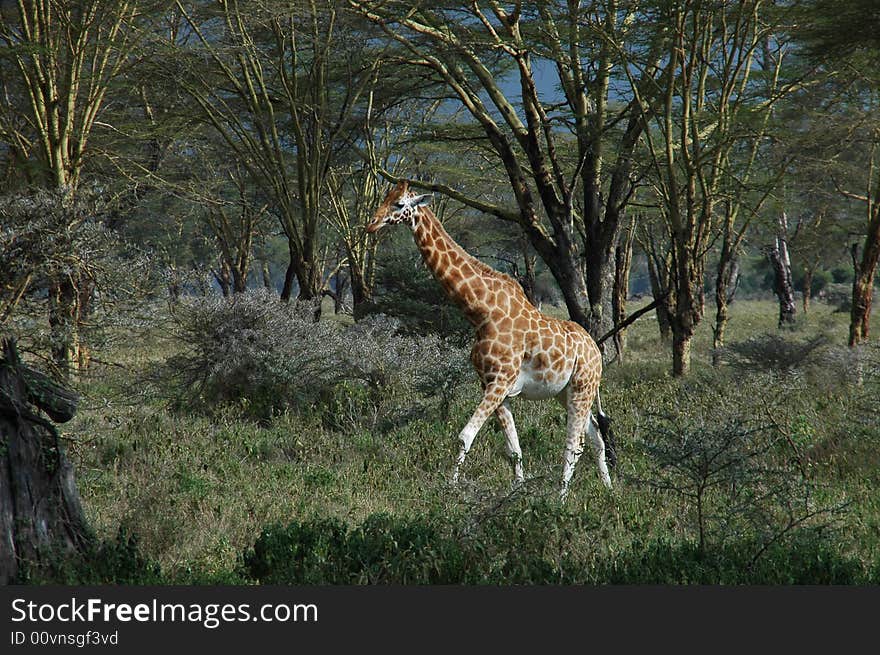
x=733, y=469
x=48, y=236
x=271, y=356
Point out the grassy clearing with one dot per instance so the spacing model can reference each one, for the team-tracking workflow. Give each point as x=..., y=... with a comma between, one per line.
x=197, y=491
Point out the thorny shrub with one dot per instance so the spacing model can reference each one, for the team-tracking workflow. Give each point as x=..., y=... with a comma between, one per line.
x=773, y=353
x=267, y=356
x=739, y=476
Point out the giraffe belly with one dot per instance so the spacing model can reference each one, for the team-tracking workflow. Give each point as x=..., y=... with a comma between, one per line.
x=537, y=384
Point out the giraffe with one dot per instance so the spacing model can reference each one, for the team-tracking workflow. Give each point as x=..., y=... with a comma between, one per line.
x=518, y=351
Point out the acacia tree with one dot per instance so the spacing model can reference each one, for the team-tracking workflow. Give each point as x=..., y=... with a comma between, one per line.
x=866, y=255
x=566, y=152
x=282, y=89
x=709, y=100
x=754, y=173
x=849, y=147
x=355, y=187
x=353, y=195
x=654, y=241
x=235, y=218
x=780, y=262
x=59, y=60
x=843, y=36
x=858, y=180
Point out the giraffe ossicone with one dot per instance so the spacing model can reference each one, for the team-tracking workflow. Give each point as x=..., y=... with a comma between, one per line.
x=519, y=351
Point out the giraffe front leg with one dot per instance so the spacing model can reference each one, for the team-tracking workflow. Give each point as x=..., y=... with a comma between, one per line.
x=493, y=396
x=514, y=452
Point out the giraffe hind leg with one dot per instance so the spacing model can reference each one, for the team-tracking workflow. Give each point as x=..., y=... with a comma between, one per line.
x=599, y=448
x=604, y=425
x=574, y=442
x=581, y=423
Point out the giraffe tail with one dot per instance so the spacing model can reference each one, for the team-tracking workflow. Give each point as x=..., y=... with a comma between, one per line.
x=607, y=435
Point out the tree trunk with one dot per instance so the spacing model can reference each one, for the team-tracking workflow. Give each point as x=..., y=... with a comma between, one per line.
x=267, y=277
x=70, y=305
x=600, y=268
x=726, y=278
x=307, y=276
x=622, y=266
x=304, y=271
x=860, y=315
x=340, y=288
x=684, y=322
x=223, y=277
x=309, y=294
x=289, y=279
x=689, y=306
x=782, y=284
x=600, y=291
x=659, y=286
x=863, y=281
x=574, y=294
x=174, y=285
x=85, y=297
x=361, y=294
x=808, y=287
x=63, y=324
x=239, y=278
x=681, y=352
x=527, y=279
x=40, y=511
x=562, y=261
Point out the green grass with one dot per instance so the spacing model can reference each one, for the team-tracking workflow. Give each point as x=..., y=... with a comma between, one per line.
x=198, y=490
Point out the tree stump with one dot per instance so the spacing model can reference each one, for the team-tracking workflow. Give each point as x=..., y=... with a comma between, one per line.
x=40, y=510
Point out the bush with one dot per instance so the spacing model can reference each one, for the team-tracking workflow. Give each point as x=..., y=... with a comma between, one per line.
x=402, y=375
x=46, y=237
x=772, y=353
x=383, y=549
x=808, y=559
x=406, y=289
x=519, y=539
x=838, y=295
x=114, y=561
x=740, y=475
x=254, y=350
x=267, y=357
x=842, y=275
x=530, y=542
x=301, y=553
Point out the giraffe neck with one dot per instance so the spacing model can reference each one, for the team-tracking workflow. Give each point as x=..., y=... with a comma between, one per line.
x=463, y=277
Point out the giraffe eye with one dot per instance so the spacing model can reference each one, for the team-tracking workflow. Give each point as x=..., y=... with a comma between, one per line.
x=399, y=205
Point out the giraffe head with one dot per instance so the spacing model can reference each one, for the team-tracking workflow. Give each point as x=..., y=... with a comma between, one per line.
x=400, y=206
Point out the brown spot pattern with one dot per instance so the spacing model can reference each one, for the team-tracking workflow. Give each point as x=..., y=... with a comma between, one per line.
x=510, y=332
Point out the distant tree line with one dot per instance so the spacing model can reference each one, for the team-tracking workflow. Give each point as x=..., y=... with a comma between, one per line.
x=566, y=138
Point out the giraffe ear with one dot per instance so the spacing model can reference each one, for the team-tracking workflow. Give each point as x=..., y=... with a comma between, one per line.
x=422, y=200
